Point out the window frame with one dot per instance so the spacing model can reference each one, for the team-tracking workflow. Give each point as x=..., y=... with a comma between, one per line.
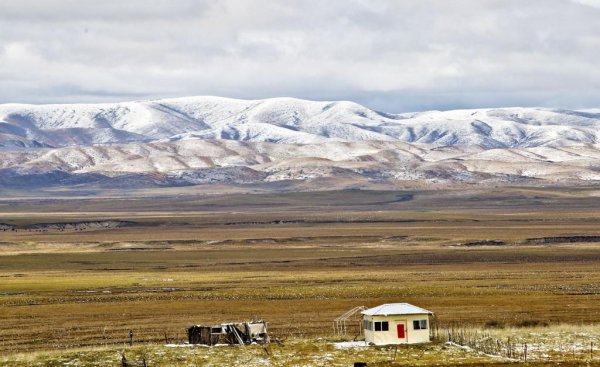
x=420, y=324
x=385, y=326
x=382, y=326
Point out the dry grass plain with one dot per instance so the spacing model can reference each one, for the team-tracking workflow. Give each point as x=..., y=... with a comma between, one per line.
x=296, y=260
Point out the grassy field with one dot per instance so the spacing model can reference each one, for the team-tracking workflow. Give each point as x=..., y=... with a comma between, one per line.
x=294, y=352
x=296, y=260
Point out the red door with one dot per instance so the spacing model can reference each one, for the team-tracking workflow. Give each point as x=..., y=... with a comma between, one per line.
x=401, y=334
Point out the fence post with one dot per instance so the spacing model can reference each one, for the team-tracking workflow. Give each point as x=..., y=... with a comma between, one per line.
x=525, y=352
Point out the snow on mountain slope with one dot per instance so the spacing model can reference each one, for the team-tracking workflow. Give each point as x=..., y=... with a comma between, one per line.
x=288, y=120
x=211, y=139
x=206, y=161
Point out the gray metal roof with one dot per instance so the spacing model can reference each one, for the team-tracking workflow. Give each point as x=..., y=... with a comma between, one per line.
x=396, y=309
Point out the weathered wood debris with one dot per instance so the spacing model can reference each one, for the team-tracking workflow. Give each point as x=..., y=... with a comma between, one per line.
x=229, y=333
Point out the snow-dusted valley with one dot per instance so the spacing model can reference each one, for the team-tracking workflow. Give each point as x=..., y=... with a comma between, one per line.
x=198, y=140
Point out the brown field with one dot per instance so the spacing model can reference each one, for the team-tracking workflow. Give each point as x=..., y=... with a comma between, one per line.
x=296, y=260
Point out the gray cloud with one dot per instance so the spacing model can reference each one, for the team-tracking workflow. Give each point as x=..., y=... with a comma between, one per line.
x=390, y=55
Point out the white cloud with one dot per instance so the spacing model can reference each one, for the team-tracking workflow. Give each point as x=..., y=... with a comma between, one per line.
x=594, y=3
x=391, y=55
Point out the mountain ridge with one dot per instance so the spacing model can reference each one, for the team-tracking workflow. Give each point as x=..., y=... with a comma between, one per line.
x=204, y=140
x=286, y=120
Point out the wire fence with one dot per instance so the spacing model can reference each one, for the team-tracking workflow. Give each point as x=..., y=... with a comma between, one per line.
x=513, y=348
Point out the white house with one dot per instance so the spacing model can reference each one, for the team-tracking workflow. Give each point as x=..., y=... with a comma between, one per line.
x=396, y=323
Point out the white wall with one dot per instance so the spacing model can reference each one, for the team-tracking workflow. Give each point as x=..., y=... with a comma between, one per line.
x=412, y=336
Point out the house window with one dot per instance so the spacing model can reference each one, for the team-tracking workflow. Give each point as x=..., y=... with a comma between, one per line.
x=368, y=325
x=382, y=326
x=419, y=324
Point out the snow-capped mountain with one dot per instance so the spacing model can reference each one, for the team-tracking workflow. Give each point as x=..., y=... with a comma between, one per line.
x=210, y=139
x=287, y=120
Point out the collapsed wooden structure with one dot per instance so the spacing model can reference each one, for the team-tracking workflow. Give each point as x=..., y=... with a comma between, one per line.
x=229, y=333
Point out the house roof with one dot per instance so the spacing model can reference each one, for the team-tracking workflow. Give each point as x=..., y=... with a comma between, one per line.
x=396, y=309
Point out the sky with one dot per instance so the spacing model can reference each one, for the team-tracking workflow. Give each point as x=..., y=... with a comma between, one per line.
x=393, y=56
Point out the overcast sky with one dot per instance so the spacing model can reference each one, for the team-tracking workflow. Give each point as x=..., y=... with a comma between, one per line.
x=394, y=56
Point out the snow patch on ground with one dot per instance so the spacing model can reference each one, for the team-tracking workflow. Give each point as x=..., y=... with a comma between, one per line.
x=353, y=344
x=186, y=345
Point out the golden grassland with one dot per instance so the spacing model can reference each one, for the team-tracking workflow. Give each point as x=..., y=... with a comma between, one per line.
x=297, y=262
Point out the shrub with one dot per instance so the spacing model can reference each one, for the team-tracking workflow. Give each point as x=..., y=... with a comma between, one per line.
x=494, y=324
x=531, y=323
